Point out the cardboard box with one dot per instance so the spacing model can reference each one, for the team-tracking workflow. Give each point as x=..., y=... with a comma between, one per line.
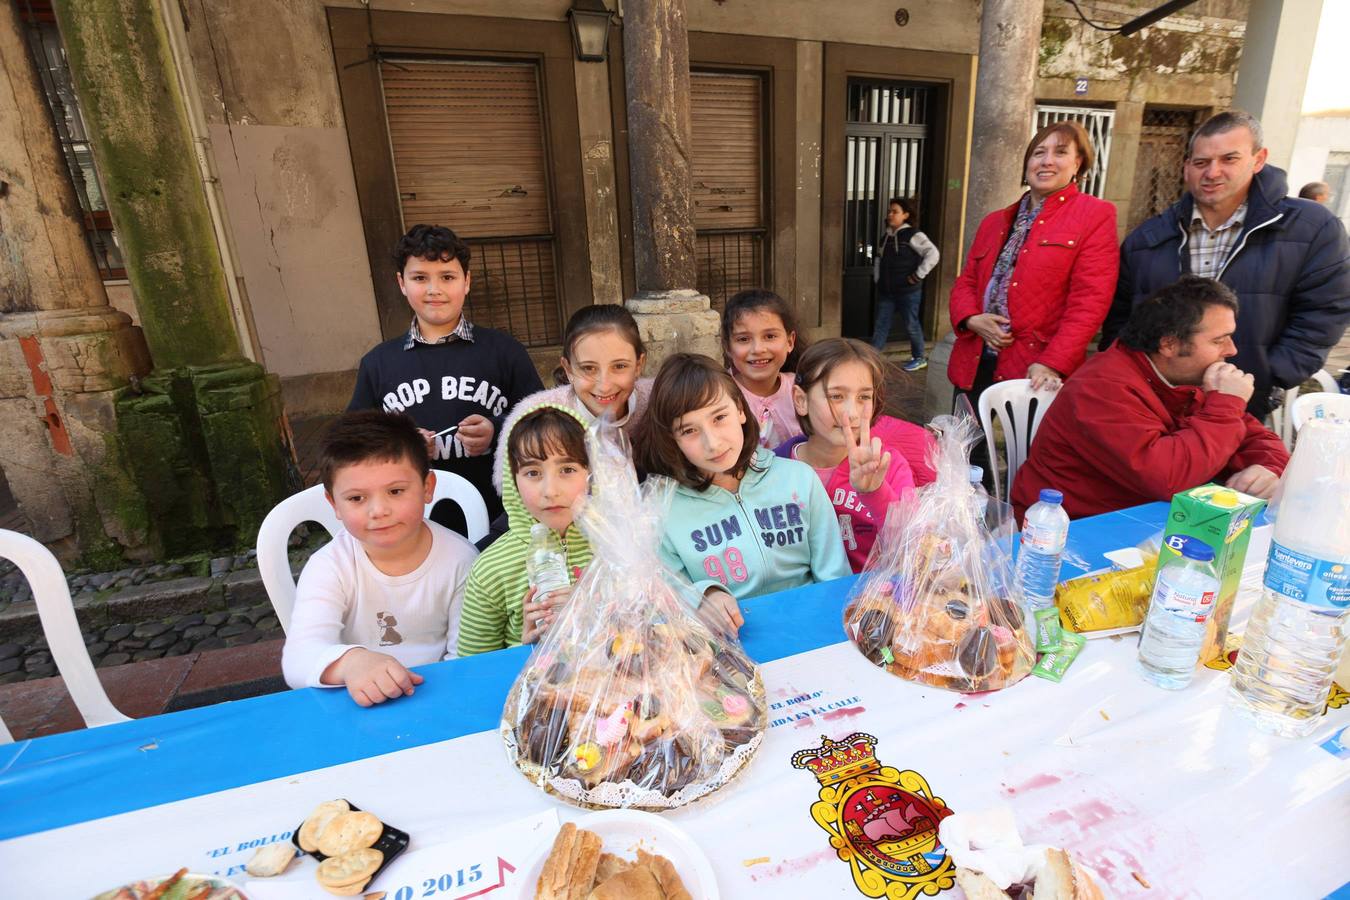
x=1222, y=518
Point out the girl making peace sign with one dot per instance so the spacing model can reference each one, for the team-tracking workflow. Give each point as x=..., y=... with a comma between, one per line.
x=838, y=397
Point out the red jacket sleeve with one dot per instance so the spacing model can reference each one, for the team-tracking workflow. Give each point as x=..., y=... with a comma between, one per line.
x=1116, y=430
x=1260, y=447
x=965, y=300
x=1092, y=284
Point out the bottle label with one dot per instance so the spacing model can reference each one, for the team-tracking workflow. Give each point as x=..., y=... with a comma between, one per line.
x=1183, y=603
x=1317, y=582
x=1043, y=540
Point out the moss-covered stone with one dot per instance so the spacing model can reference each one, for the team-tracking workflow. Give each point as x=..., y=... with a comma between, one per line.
x=129, y=96
x=211, y=453
x=1055, y=33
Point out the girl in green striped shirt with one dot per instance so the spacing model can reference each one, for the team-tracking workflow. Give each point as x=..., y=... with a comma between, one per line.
x=546, y=452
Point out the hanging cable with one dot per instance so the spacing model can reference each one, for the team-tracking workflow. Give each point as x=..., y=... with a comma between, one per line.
x=1088, y=21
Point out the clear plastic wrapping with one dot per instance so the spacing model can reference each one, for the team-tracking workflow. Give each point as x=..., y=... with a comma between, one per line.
x=629, y=700
x=937, y=602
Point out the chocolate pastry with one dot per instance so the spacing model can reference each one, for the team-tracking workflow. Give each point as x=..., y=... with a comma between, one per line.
x=1003, y=611
x=544, y=732
x=647, y=707
x=734, y=737
x=875, y=630
x=666, y=765
x=977, y=654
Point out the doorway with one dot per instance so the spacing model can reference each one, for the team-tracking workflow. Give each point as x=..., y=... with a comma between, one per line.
x=888, y=152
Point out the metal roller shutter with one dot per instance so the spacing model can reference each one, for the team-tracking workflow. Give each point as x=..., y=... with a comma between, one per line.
x=469, y=153
x=728, y=174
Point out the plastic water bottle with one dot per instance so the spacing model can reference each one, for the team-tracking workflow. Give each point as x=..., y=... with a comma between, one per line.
x=1174, y=629
x=1298, y=632
x=546, y=564
x=980, y=502
x=1044, y=533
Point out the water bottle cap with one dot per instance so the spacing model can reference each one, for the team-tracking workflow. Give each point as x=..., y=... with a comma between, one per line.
x=1198, y=551
x=538, y=528
x=976, y=474
x=1050, y=495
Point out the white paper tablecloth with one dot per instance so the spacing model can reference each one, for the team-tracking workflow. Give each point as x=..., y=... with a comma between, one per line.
x=1130, y=778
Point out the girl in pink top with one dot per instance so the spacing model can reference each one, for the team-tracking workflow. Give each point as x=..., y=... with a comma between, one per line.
x=759, y=340
x=837, y=397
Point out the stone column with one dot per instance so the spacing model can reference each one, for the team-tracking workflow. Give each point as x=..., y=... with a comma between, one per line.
x=1273, y=74
x=1005, y=101
x=65, y=354
x=672, y=315
x=207, y=435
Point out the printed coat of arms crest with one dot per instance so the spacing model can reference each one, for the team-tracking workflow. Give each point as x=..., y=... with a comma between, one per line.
x=882, y=821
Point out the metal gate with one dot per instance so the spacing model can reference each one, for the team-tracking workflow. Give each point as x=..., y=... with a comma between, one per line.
x=1162, y=154
x=887, y=149
x=1097, y=123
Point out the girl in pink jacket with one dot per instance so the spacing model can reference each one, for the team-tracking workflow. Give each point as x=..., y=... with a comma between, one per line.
x=838, y=396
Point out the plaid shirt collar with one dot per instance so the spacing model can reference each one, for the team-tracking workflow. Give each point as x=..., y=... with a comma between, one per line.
x=1211, y=248
x=463, y=332
x=1235, y=220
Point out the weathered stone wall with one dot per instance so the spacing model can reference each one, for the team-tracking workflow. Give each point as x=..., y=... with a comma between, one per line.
x=269, y=91
x=1189, y=60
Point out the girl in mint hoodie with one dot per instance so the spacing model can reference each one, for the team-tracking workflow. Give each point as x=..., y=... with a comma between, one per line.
x=742, y=521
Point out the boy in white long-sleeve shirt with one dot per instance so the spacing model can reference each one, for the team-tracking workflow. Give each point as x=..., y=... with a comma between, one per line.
x=384, y=594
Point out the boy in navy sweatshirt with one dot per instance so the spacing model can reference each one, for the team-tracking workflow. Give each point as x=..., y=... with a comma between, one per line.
x=446, y=371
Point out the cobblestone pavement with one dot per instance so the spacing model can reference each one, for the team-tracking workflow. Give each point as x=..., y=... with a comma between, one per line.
x=200, y=625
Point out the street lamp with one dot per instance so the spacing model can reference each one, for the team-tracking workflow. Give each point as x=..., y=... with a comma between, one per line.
x=590, y=29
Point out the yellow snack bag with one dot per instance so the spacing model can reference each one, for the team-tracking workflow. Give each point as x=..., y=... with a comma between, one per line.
x=1108, y=600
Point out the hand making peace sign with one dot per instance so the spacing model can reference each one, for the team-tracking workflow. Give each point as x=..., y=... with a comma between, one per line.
x=867, y=465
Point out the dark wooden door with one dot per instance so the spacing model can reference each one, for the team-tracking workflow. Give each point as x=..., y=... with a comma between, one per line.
x=887, y=153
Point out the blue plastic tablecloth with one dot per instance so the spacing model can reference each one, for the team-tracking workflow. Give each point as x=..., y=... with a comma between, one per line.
x=74, y=777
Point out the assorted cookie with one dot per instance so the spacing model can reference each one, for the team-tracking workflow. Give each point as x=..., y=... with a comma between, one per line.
x=351, y=845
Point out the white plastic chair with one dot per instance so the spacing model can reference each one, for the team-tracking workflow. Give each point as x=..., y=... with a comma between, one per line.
x=1307, y=407
x=62, y=629
x=1019, y=410
x=1281, y=418
x=310, y=505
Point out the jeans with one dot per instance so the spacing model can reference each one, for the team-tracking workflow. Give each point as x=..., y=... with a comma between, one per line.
x=910, y=300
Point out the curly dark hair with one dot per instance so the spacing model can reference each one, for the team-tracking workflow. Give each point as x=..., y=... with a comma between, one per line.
x=431, y=242
x=371, y=435
x=1175, y=311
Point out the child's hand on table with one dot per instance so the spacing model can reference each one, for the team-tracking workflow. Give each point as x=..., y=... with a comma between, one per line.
x=371, y=677
x=721, y=612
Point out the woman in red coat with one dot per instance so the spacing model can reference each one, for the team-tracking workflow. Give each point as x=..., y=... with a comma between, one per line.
x=1040, y=275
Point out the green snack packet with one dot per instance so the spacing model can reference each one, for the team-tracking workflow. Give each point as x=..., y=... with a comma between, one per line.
x=1054, y=664
x=1048, y=630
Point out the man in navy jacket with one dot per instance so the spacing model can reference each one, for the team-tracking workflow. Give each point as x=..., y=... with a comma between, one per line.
x=1287, y=259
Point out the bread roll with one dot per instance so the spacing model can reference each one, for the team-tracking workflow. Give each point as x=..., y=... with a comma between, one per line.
x=637, y=883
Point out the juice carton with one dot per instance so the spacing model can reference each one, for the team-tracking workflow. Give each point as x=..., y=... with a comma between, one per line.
x=1222, y=518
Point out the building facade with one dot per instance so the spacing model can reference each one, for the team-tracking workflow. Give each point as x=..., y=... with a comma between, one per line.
x=330, y=128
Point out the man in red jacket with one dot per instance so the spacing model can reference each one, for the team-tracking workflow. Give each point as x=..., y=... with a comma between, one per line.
x=1158, y=412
